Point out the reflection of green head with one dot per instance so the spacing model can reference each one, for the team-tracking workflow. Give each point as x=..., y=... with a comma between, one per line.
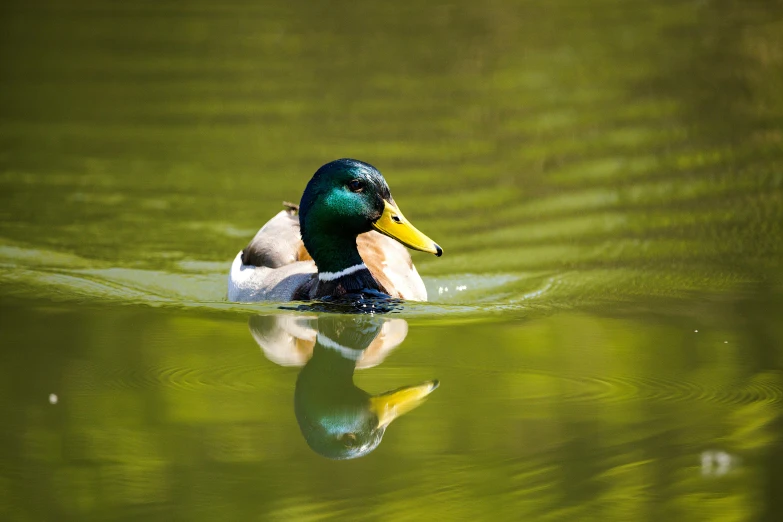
x=337, y=419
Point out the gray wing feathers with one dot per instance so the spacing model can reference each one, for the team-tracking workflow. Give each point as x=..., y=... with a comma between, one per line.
x=276, y=244
x=268, y=269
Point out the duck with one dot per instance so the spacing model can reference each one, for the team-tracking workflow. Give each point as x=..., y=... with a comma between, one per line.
x=346, y=236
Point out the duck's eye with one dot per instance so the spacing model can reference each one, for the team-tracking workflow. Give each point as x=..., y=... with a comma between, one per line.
x=356, y=185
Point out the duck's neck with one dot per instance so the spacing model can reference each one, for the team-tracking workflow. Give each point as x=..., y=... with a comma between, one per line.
x=333, y=254
x=341, y=269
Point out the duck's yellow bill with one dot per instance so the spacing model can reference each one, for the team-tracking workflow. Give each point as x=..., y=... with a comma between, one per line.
x=390, y=405
x=393, y=224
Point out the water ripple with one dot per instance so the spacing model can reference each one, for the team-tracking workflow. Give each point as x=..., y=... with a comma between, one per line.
x=612, y=389
x=96, y=377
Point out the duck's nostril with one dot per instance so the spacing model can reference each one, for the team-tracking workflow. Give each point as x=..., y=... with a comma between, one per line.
x=396, y=219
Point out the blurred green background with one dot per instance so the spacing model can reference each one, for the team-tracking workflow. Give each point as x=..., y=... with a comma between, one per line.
x=605, y=178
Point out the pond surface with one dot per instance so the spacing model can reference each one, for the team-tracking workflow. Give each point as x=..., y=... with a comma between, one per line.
x=603, y=337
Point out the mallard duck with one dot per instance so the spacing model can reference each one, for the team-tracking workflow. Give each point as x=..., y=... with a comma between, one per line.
x=344, y=237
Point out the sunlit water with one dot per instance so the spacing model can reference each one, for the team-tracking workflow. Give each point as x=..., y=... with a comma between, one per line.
x=606, y=180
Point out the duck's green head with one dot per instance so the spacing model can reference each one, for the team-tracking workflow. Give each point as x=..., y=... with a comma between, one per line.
x=346, y=198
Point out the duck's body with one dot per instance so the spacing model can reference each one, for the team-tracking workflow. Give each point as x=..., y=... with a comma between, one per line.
x=275, y=266
x=330, y=248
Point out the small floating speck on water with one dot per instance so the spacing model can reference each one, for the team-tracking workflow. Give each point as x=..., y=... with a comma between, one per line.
x=725, y=342
x=53, y=398
x=695, y=331
x=717, y=463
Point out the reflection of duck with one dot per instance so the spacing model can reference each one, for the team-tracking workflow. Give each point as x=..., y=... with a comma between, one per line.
x=288, y=339
x=337, y=419
x=347, y=215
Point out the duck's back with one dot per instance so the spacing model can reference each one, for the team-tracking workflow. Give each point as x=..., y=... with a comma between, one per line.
x=270, y=268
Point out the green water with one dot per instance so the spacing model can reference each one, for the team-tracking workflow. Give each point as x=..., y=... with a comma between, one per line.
x=606, y=180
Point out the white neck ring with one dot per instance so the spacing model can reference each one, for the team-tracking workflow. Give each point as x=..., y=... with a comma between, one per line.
x=331, y=276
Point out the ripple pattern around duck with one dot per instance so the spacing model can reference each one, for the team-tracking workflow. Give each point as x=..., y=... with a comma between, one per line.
x=587, y=389
x=230, y=377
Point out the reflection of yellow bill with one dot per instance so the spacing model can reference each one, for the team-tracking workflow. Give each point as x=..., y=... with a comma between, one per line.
x=393, y=224
x=389, y=406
